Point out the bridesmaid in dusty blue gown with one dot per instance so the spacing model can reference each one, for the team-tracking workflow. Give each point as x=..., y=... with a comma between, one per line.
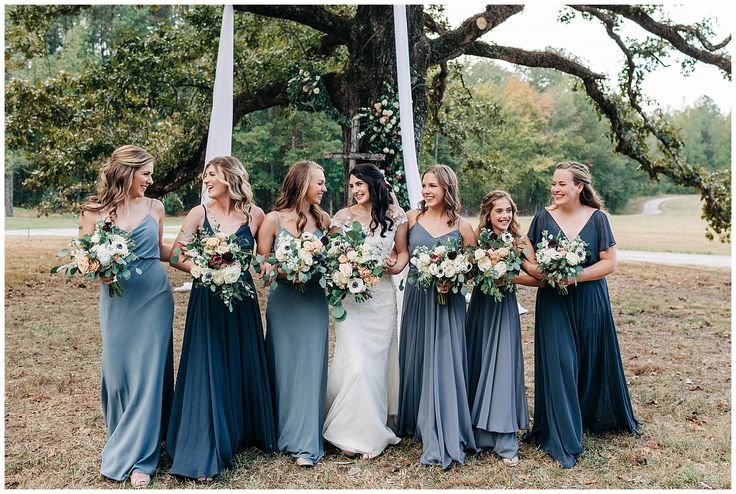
x=222, y=402
x=496, y=391
x=296, y=322
x=137, y=375
x=579, y=376
x=433, y=400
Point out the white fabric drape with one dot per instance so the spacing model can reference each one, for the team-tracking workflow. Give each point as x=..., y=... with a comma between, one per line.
x=406, y=107
x=220, y=135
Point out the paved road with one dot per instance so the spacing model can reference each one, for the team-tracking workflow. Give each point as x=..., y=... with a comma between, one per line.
x=623, y=255
x=651, y=207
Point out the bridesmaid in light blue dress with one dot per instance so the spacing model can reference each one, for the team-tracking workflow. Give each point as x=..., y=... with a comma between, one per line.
x=137, y=377
x=433, y=396
x=296, y=321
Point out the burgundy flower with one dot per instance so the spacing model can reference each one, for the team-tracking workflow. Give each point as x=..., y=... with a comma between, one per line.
x=215, y=261
x=228, y=257
x=552, y=244
x=324, y=240
x=107, y=226
x=452, y=255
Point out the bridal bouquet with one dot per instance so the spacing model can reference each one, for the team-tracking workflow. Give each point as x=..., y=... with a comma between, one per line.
x=218, y=263
x=495, y=263
x=300, y=258
x=353, y=268
x=560, y=259
x=445, y=262
x=107, y=251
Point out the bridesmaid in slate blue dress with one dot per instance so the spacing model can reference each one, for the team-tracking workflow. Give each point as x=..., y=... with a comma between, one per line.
x=433, y=382
x=296, y=322
x=137, y=377
x=222, y=401
x=579, y=376
x=496, y=391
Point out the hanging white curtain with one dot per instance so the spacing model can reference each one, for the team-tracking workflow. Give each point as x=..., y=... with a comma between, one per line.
x=220, y=135
x=406, y=107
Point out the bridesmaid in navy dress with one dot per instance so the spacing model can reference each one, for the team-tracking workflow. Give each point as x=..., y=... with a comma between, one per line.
x=496, y=391
x=296, y=321
x=579, y=377
x=433, y=367
x=136, y=327
x=222, y=401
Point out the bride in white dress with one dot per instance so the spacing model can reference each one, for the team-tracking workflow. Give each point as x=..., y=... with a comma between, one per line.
x=363, y=380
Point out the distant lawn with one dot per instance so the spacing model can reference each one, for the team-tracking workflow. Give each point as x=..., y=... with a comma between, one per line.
x=678, y=228
x=28, y=218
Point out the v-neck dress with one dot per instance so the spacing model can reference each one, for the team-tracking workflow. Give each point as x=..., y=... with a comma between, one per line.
x=579, y=381
x=222, y=401
x=433, y=368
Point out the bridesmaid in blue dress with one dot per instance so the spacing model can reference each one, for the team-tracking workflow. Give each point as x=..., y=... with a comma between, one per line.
x=433, y=376
x=496, y=391
x=136, y=327
x=579, y=377
x=296, y=322
x=222, y=401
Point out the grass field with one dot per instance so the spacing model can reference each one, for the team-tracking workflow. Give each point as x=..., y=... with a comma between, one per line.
x=678, y=229
x=675, y=337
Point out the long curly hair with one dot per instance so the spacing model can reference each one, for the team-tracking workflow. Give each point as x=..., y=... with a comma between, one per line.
x=486, y=206
x=380, y=195
x=581, y=175
x=116, y=179
x=236, y=179
x=294, y=194
x=448, y=181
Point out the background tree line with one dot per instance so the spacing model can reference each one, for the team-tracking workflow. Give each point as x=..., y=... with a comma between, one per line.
x=497, y=128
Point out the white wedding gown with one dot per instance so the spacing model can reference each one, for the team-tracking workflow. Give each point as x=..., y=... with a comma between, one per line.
x=363, y=380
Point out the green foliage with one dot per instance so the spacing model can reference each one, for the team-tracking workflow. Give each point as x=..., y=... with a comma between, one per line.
x=173, y=203
x=381, y=133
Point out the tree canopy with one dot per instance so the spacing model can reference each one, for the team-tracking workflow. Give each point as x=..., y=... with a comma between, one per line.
x=144, y=75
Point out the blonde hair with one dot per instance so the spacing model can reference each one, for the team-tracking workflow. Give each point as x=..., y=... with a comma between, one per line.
x=294, y=193
x=486, y=206
x=581, y=175
x=448, y=181
x=236, y=177
x=116, y=178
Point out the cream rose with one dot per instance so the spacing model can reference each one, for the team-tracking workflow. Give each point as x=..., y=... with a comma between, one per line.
x=83, y=264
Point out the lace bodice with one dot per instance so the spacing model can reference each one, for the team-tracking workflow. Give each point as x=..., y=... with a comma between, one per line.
x=344, y=219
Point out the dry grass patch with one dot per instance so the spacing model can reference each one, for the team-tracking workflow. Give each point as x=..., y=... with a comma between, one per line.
x=674, y=331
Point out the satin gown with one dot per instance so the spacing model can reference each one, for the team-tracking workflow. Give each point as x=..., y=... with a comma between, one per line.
x=137, y=378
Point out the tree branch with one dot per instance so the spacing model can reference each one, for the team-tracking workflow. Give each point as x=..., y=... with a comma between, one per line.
x=671, y=34
x=453, y=43
x=701, y=37
x=244, y=103
x=314, y=16
x=627, y=132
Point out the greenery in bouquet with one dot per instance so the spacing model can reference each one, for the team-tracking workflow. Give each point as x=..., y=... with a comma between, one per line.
x=106, y=252
x=218, y=263
x=446, y=262
x=560, y=259
x=495, y=263
x=353, y=268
